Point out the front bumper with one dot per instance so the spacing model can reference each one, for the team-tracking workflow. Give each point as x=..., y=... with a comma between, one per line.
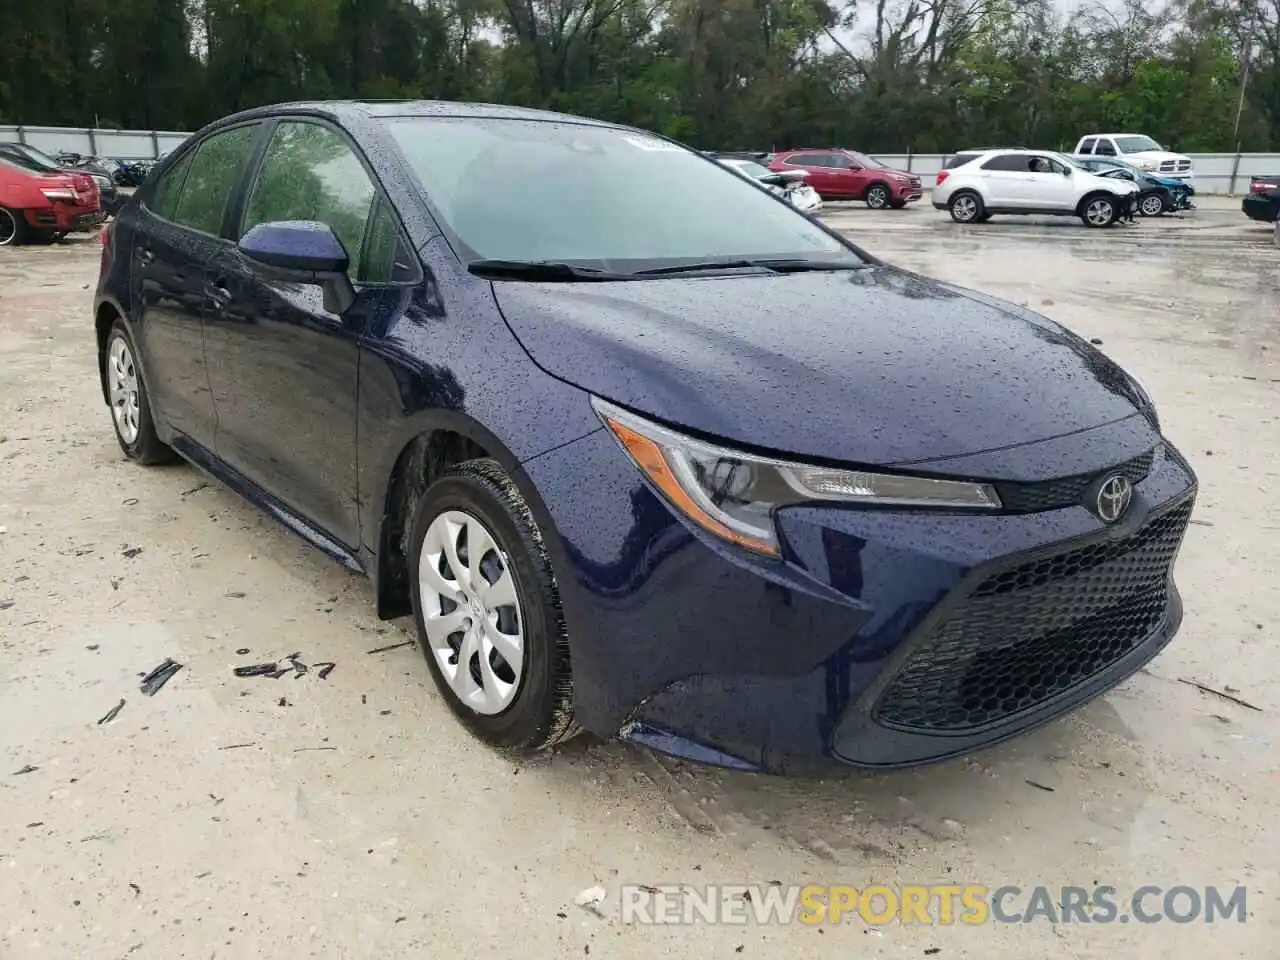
x=906, y=191
x=703, y=651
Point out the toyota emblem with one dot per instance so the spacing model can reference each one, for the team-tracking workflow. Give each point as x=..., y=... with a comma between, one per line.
x=1114, y=496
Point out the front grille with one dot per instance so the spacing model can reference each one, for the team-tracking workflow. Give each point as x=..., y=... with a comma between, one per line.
x=1066, y=491
x=1030, y=633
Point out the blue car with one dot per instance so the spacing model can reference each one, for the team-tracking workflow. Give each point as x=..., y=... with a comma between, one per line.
x=642, y=450
x=1157, y=194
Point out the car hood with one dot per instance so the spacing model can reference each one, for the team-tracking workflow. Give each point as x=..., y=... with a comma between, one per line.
x=873, y=366
x=1159, y=155
x=1114, y=184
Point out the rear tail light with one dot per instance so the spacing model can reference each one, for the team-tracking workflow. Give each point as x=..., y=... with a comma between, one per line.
x=942, y=176
x=104, y=235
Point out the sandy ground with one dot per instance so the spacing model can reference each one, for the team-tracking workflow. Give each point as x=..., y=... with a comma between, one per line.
x=352, y=817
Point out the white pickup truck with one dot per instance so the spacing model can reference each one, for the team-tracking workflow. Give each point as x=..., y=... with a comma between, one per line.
x=1138, y=150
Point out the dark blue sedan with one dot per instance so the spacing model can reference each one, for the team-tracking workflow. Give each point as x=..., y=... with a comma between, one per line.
x=640, y=448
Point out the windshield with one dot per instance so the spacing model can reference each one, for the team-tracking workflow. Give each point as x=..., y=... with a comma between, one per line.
x=750, y=169
x=1136, y=144
x=566, y=192
x=863, y=160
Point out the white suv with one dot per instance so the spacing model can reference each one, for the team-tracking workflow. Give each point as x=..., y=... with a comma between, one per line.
x=1035, y=182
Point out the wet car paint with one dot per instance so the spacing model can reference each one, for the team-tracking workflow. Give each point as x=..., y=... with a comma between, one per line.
x=671, y=628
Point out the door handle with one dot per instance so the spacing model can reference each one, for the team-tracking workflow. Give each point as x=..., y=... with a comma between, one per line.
x=218, y=293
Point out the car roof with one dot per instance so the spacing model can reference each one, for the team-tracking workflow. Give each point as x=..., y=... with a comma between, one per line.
x=345, y=110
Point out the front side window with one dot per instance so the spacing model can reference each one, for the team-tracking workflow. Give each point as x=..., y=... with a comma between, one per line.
x=568, y=192
x=211, y=176
x=809, y=160
x=862, y=160
x=1087, y=145
x=1105, y=149
x=310, y=173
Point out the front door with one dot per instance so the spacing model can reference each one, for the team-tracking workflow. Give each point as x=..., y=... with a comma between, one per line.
x=283, y=368
x=176, y=235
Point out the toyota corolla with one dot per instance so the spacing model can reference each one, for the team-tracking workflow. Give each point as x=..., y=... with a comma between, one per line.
x=640, y=448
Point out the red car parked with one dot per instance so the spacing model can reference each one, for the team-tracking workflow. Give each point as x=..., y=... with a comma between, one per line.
x=848, y=175
x=36, y=204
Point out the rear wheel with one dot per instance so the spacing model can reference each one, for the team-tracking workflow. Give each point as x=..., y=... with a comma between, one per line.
x=488, y=610
x=878, y=196
x=127, y=394
x=1152, y=205
x=13, y=227
x=966, y=207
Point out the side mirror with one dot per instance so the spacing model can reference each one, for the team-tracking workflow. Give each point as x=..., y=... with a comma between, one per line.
x=1067, y=171
x=302, y=251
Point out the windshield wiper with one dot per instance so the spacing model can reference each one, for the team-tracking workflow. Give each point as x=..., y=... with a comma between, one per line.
x=539, y=270
x=776, y=265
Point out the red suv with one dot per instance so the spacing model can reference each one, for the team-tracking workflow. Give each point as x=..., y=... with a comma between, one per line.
x=35, y=203
x=849, y=175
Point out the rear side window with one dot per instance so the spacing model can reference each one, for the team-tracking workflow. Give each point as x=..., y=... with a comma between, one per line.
x=310, y=173
x=211, y=176
x=1007, y=161
x=169, y=188
x=959, y=160
x=1088, y=145
x=809, y=160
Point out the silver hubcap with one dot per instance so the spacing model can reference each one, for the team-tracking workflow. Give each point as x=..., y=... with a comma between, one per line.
x=122, y=387
x=965, y=208
x=8, y=228
x=471, y=613
x=1152, y=206
x=1099, y=212
x=877, y=198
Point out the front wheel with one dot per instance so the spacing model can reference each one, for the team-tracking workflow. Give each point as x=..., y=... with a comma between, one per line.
x=13, y=228
x=1152, y=205
x=487, y=609
x=1098, y=212
x=878, y=196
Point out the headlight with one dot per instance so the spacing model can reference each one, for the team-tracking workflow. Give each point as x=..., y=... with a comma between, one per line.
x=732, y=494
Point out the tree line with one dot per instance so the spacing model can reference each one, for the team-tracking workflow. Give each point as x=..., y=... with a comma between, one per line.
x=880, y=75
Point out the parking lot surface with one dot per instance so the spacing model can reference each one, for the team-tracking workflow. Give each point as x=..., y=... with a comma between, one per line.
x=352, y=816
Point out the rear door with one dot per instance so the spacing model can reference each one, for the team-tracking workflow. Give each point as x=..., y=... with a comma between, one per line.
x=176, y=235
x=283, y=368
x=820, y=174
x=1005, y=175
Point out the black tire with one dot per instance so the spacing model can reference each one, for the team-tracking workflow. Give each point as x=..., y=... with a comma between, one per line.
x=13, y=228
x=1099, y=210
x=966, y=206
x=146, y=447
x=1149, y=209
x=877, y=196
x=541, y=714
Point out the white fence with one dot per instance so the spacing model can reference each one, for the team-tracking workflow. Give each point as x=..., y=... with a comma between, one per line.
x=117, y=144
x=1220, y=173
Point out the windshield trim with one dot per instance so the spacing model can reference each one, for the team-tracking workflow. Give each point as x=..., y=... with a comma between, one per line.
x=465, y=255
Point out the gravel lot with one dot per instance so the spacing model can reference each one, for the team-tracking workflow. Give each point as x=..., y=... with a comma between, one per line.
x=352, y=817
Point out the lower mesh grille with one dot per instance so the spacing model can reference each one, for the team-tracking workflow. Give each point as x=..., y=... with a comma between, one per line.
x=1029, y=633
